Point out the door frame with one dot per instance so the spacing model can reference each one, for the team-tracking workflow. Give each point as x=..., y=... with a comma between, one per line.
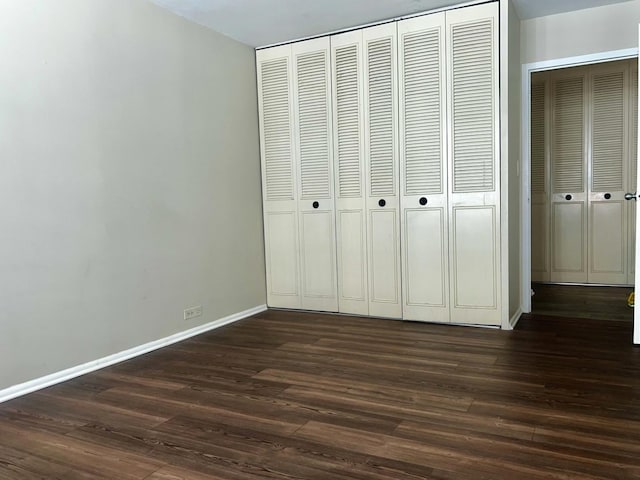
x=525, y=159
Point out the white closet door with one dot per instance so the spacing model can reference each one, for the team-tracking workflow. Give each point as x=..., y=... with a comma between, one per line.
x=609, y=153
x=569, y=193
x=539, y=179
x=474, y=174
x=423, y=171
x=348, y=148
x=314, y=151
x=632, y=168
x=381, y=154
x=278, y=176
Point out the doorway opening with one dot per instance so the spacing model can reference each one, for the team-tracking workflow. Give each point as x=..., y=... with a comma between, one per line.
x=582, y=161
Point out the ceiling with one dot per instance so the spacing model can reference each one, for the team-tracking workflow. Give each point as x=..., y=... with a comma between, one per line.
x=265, y=22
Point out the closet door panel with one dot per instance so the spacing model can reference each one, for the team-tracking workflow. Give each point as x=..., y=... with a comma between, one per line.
x=278, y=176
x=348, y=135
x=425, y=250
x=423, y=167
x=312, y=114
x=475, y=260
x=608, y=165
x=381, y=153
x=569, y=198
x=569, y=255
x=474, y=177
x=318, y=257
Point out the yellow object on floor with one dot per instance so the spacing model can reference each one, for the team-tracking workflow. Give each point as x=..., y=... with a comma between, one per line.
x=631, y=299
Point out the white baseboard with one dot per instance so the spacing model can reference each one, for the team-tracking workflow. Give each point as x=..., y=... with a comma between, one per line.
x=69, y=373
x=513, y=321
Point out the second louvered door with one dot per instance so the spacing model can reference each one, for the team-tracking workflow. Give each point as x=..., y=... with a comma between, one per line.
x=569, y=193
x=314, y=153
x=350, y=176
x=423, y=171
x=474, y=173
x=381, y=164
x=608, y=156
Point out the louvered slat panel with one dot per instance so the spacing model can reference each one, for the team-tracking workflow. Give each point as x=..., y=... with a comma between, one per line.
x=608, y=132
x=634, y=132
x=568, y=136
x=348, y=122
x=380, y=102
x=472, y=96
x=538, y=140
x=422, y=113
x=277, y=129
x=313, y=124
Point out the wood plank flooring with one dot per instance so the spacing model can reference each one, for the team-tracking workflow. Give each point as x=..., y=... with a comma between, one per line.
x=288, y=395
x=576, y=301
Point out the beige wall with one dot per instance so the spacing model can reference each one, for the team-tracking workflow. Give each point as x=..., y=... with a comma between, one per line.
x=583, y=32
x=129, y=180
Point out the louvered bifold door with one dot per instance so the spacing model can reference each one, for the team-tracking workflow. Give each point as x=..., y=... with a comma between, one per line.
x=607, y=161
x=278, y=176
x=568, y=178
x=348, y=148
x=314, y=153
x=423, y=169
x=632, y=169
x=381, y=163
x=540, y=114
x=474, y=174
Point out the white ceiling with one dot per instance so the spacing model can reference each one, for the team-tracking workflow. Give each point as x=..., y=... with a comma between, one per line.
x=264, y=22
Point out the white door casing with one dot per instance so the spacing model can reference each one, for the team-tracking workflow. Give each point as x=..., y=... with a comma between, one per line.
x=423, y=169
x=636, y=311
x=280, y=207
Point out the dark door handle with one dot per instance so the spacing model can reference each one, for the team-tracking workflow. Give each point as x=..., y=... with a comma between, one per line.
x=630, y=196
x=607, y=196
x=382, y=202
x=316, y=204
x=423, y=201
x=568, y=197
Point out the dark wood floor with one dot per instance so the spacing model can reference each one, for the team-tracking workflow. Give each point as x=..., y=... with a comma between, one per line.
x=575, y=301
x=309, y=396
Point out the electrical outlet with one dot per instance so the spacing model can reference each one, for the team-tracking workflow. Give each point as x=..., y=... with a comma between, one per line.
x=193, y=312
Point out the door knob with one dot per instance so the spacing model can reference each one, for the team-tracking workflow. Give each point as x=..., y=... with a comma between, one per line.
x=568, y=197
x=607, y=196
x=381, y=202
x=423, y=201
x=315, y=204
x=630, y=196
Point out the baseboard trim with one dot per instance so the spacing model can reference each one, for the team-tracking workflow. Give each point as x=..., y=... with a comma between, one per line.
x=64, y=375
x=513, y=321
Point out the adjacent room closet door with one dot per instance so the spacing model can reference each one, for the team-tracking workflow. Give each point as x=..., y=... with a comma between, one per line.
x=608, y=156
x=381, y=161
x=278, y=176
x=569, y=175
x=423, y=171
x=540, y=106
x=314, y=152
x=474, y=174
x=349, y=158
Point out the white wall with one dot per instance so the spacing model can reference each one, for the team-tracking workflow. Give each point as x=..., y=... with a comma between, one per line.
x=602, y=29
x=129, y=180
